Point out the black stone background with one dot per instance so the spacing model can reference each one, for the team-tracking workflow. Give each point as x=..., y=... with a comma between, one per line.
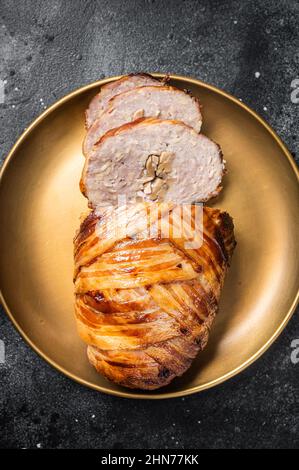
x=49, y=48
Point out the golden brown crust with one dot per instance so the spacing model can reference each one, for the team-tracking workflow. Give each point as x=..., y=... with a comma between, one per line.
x=145, y=305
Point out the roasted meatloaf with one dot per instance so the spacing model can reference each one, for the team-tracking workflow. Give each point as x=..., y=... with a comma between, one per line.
x=145, y=305
x=149, y=262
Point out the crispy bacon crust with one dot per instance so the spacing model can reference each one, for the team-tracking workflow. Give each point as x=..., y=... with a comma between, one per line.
x=145, y=305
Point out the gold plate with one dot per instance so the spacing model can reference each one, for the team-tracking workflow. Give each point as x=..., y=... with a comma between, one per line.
x=40, y=205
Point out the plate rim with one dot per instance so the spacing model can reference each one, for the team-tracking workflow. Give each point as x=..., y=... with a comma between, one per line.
x=124, y=393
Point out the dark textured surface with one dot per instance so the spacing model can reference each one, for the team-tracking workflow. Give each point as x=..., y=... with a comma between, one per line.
x=50, y=48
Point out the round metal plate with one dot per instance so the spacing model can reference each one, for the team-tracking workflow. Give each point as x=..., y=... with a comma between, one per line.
x=40, y=205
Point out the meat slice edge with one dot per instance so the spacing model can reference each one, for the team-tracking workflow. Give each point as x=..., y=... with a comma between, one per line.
x=147, y=101
x=144, y=337
x=99, y=102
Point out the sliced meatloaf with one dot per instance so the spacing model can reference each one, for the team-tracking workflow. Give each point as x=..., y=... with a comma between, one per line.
x=128, y=82
x=149, y=101
x=155, y=160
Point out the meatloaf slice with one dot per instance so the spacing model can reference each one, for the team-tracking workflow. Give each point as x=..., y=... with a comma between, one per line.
x=99, y=102
x=149, y=101
x=154, y=160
